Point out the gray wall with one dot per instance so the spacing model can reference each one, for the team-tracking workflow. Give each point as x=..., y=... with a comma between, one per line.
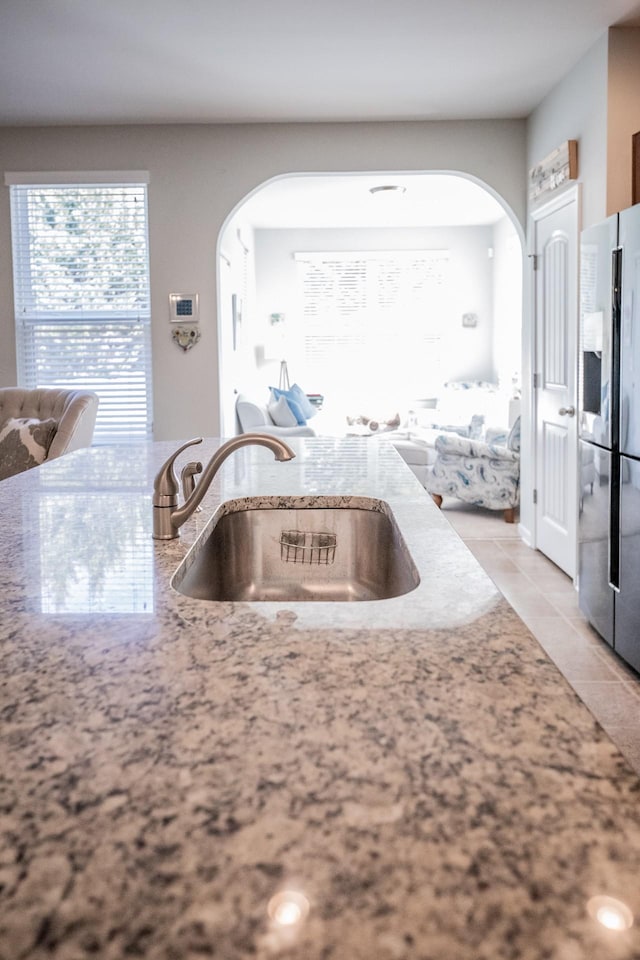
x=576, y=109
x=597, y=104
x=198, y=176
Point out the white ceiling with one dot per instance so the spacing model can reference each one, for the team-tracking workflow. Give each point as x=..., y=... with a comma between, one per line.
x=345, y=201
x=157, y=61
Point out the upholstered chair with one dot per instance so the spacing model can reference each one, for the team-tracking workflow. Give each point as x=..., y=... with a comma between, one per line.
x=43, y=424
x=486, y=474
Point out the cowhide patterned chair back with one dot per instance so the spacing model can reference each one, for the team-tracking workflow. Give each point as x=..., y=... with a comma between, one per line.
x=43, y=424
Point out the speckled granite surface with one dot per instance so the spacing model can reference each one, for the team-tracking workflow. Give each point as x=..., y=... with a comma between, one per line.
x=415, y=768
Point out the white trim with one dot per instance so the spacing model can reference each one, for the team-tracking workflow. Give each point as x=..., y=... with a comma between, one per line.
x=40, y=178
x=569, y=195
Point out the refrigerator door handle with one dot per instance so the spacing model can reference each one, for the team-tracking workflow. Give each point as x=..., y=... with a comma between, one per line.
x=614, y=519
x=616, y=319
x=614, y=483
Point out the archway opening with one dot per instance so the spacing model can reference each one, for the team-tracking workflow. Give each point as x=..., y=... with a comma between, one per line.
x=375, y=290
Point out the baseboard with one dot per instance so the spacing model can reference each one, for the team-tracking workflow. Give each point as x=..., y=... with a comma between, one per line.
x=526, y=535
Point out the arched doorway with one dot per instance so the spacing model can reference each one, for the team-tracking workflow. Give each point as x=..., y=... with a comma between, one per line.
x=477, y=333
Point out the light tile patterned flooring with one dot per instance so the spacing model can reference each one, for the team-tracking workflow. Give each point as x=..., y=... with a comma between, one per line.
x=546, y=600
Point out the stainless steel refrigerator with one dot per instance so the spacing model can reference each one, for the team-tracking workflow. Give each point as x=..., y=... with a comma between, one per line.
x=609, y=431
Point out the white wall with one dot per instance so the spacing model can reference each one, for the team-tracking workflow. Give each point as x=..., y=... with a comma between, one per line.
x=467, y=353
x=199, y=174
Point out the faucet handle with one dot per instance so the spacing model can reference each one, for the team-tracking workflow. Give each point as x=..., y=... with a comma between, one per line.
x=165, y=486
x=188, y=479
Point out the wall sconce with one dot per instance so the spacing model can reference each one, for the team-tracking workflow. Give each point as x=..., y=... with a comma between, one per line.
x=275, y=346
x=236, y=319
x=275, y=337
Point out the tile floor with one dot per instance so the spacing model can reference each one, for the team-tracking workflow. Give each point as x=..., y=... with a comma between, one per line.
x=546, y=600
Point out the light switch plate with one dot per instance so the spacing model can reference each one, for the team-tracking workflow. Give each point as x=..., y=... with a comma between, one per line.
x=183, y=308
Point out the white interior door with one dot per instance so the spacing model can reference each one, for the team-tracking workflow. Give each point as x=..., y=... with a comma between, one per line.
x=556, y=320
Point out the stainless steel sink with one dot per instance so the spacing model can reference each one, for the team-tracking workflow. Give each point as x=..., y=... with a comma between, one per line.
x=287, y=551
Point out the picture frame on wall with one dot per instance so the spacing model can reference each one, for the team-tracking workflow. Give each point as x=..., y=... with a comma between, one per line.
x=236, y=318
x=553, y=172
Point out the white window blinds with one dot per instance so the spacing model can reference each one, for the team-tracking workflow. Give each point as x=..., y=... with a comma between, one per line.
x=373, y=319
x=81, y=291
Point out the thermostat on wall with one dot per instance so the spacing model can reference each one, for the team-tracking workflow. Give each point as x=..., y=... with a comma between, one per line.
x=183, y=307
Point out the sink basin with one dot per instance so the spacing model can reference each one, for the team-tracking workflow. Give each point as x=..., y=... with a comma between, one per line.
x=299, y=549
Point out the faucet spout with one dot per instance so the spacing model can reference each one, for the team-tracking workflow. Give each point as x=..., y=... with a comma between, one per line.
x=167, y=516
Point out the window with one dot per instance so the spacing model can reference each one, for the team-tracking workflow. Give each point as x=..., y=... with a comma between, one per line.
x=373, y=320
x=81, y=290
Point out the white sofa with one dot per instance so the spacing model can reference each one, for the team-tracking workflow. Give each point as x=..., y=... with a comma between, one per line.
x=253, y=417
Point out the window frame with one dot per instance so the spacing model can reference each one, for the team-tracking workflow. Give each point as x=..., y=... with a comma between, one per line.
x=114, y=427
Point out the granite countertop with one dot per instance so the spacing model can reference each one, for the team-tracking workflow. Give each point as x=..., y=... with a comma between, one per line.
x=405, y=779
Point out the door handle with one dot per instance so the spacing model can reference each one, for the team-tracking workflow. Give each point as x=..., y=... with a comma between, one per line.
x=567, y=411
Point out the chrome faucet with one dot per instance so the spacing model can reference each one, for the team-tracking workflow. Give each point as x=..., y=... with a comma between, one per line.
x=167, y=516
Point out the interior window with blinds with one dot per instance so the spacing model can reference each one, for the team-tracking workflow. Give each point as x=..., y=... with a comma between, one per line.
x=372, y=321
x=81, y=290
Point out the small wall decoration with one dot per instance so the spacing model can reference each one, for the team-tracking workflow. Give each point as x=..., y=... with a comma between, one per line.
x=552, y=172
x=185, y=337
x=183, y=308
